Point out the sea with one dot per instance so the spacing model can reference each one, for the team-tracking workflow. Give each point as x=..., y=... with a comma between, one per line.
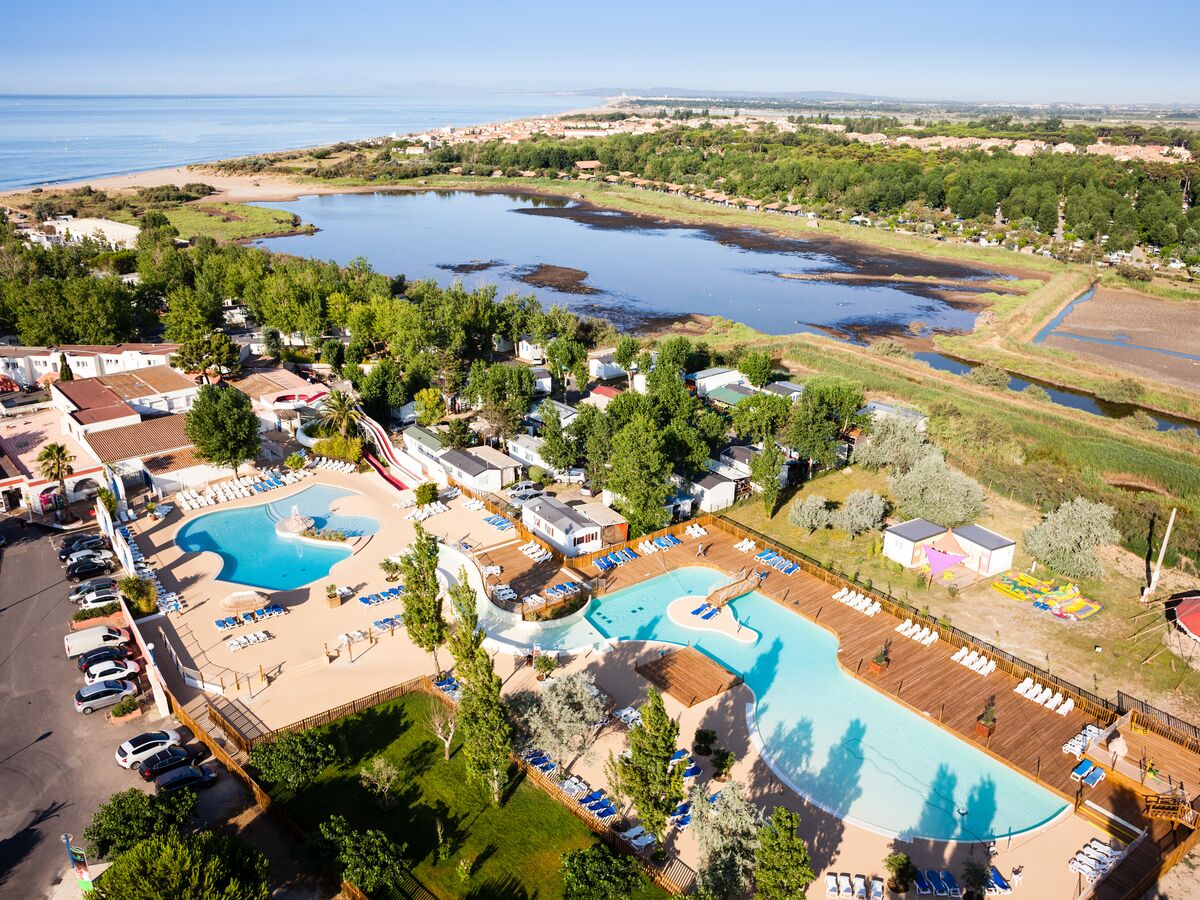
x=50, y=139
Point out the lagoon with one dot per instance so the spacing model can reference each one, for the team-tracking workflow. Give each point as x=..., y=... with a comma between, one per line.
x=632, y=269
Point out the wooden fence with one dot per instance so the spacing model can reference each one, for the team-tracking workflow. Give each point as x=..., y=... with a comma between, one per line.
x=498, y=507
x=1161, y=723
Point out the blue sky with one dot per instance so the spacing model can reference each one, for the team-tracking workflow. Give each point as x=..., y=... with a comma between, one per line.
x=1042, y=51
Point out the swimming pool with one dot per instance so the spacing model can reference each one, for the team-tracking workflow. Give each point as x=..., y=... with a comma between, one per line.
x=835, y=740
x=251, y=552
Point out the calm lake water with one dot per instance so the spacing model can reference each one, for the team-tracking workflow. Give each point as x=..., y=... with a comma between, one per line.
x=637, y=269
x=60, y=138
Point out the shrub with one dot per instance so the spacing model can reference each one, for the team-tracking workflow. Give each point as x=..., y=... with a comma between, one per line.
x=1124, y=391
x=367, y=859
x=324, y=534
x=597, y=873
x=130, y=816
x=139, y=592
x=294, y=462
x=1035, y=392
x=293, y=760
x=895, y=443
x=811, y=515
x=1067, y=538
x=703, y=740
x=340, y=447
x=723, y=761
x=124, y=707
x=862, y=511
x=426, y=493
x=540, y=475
x=932, y=490
x=989, y=376
x=109, y=499
x=99, y=612
x=205, y=864
x=390, y=568
x=545, y=665
x=888, y=347
x=901, y=871
x=1141, y=419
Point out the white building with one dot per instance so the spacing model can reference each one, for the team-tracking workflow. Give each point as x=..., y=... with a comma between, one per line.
x=713, y=491
x=602, y=365
x=710, y=379
x=987, y=552
x=562, y=527
x=789, y=390
x=527, y=450
x=980, y=550
x=530, y=349
x=542, y=382
x=733, y=462
x=566, y=413
x=26, y=365
x=877, y=411
x=112, y=401
x=481, y=468
x=904, y=543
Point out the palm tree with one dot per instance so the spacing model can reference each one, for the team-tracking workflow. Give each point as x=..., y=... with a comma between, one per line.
x=54, y=463
x=341, y=411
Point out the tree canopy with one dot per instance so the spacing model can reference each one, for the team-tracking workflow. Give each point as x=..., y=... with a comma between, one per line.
x=172, y=866
x=223, y=426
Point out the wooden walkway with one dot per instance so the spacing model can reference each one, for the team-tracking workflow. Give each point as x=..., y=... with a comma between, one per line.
x=688, y=675
x=1027, y=737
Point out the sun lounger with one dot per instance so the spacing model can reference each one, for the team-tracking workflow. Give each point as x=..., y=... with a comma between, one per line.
x=711, y=613
x=1108, y=851
x=922, y=884
x=590, y=798
x=860, y=887
x=691, y=771
x=633, y=833
x=845, y=886
x=831, y=885
x=876, y=889
x=999, y=883
x=1091, y=873
x=1094, y=777
x=642, y=842
x=951, y=884
x=935, y=880
x=1082, y=770
x=1066, y=707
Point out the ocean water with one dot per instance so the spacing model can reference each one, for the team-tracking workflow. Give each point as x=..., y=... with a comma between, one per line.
x=45, y=139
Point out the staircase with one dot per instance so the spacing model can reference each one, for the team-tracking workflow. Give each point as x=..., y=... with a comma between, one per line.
x=1173, y=809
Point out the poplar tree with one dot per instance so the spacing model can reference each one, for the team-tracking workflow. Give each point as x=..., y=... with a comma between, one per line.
x=422, y=595
x=782, y=867
x=647, y=777
x=484, y=723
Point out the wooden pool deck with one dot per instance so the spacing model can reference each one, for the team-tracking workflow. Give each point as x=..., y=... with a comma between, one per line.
x=1027, y=737
x=688, y=675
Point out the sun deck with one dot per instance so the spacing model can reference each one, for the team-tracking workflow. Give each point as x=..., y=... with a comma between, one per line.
x=688, y=675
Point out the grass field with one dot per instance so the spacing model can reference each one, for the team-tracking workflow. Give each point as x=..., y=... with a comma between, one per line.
x=514, y=850
x=1068, y=648
x=230, y=221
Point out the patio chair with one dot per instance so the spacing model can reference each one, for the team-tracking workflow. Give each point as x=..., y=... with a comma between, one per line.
x=948, y=880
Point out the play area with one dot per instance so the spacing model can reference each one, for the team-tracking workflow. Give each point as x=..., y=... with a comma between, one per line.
x=1060, y=598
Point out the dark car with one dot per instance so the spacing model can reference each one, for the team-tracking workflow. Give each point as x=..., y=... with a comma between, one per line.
x=103, y=654
x=87, y=542
x=165, y=761
x=89, y=568
x=87, y=587
x=195, y=777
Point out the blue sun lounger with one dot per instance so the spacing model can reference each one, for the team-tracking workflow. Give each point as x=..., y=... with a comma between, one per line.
x=631, y=554
x=602, y=564
x=1082, y=770
x=681, y=810
x=939, y=887
x=951, y=884
x=699, y=609
x=691, y=771
x=382, y=624
x=614, y=559
x=683, y=822
x=220, y=623
x=922, y=884
x=999, y=883
x=1094, y=777
x=712, y=612
x=590, y=798
x=365, y=601
x=546, y=765
x=678, y=755
x=792, y=567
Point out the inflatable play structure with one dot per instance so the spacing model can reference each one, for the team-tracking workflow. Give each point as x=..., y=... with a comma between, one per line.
x=1060, y=598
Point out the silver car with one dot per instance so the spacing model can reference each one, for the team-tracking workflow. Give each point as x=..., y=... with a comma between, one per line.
x=97, y=553
x=92, y=697
x=520, y=499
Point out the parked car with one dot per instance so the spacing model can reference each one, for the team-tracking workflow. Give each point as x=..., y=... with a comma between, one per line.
x=94, y=553
x=195, y=777
x=87, y=587
x=72, y=543
x=99, y=599
x=165, y=760
x=521, y=486
x=89, y=568
x=92, y=697
x=79, y=642
x=520, y=499
x=138, y=749
x=103, y=654
x=111, y=670
x=86, y=542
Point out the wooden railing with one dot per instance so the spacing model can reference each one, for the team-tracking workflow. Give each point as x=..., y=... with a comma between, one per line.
x=500, y=508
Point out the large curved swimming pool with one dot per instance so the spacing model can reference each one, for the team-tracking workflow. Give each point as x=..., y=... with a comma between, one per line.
x=840, y=743
x=253, y=554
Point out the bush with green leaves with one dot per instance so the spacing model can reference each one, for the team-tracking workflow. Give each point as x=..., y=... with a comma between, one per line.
x=124, y=707
x=891, y=349
x=894, y=443
x=1036, y=392
x=934, y=491
x=1139, y=418
x=782, y=866
x=131, y=816
x=812, y=514
x=1124, y=391
x=173, y=866
x=757, y=366
x=861, y=511
x=596, y=873
x=139, y=592
x=97, y=612
x=337, y=446
x=293, y=760
x=989, y=377
x=1066, y=540
x=562, y=717
x=367, y=859
x=425, y=493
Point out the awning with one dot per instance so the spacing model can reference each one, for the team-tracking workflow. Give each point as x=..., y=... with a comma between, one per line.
x=1187, y=616
x=939, y=562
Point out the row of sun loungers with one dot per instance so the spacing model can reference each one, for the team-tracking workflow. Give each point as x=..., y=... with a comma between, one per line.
x=628, y=716
x=427, y=511
x=746, y=545
x=388, y=624
x=1095, y=859
x=492, y=570
x=610, y=561
x=450, y=686
x=536, y=552
x=352, y=637
x=706, y=611
x=474, y=505
x=1044, y=696
x=238, y=489
x=1089, y=773
x=695, y=531
x=776, y=561
x=975, y=661
x=841, y=885
x=564, y=590
x=940, y=884
x=336, y=465
x=499, y=523
x=922, y=634
x=1078, y=745
x=855, y=600
x=254, y=637
x=405, y=503
x=382, y=596
x=249, y=618
x=168, y=601
x=504, y=592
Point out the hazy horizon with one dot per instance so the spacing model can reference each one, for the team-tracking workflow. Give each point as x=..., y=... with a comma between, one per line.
x=1024, y=54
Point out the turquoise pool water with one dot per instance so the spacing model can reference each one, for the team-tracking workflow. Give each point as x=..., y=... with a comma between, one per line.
x=842, y=744
x=252, y=554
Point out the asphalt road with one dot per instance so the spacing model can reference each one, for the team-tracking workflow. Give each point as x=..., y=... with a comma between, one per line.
x=56, y=765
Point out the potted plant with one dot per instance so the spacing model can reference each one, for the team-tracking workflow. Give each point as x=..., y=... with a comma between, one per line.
x=124, y=710
x=332, y=595
x=985, y=725
x=901, y=872
x=391, y=569
x=880, y=661
x=151, y=506
x=723, y=761
x=702, y=742
x=976, y=877
x=544, y=665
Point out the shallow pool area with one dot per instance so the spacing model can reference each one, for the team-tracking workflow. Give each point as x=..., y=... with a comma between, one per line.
x=848, y=748
x=254, y=555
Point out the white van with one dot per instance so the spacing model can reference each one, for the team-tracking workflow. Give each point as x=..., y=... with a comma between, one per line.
x=93, y=638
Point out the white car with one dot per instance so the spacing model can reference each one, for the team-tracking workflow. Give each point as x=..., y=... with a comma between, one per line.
x=88, y=554
x=138, y=749
x=96, y=599
x=521, y=486
x=520, y=499
x=113, y=669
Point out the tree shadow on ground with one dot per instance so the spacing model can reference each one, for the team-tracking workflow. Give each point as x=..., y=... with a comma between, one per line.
x=506, y=888
x=17, y=847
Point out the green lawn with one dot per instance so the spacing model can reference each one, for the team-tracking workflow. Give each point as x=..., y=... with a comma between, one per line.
x=229, y=221
x=515, y=848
